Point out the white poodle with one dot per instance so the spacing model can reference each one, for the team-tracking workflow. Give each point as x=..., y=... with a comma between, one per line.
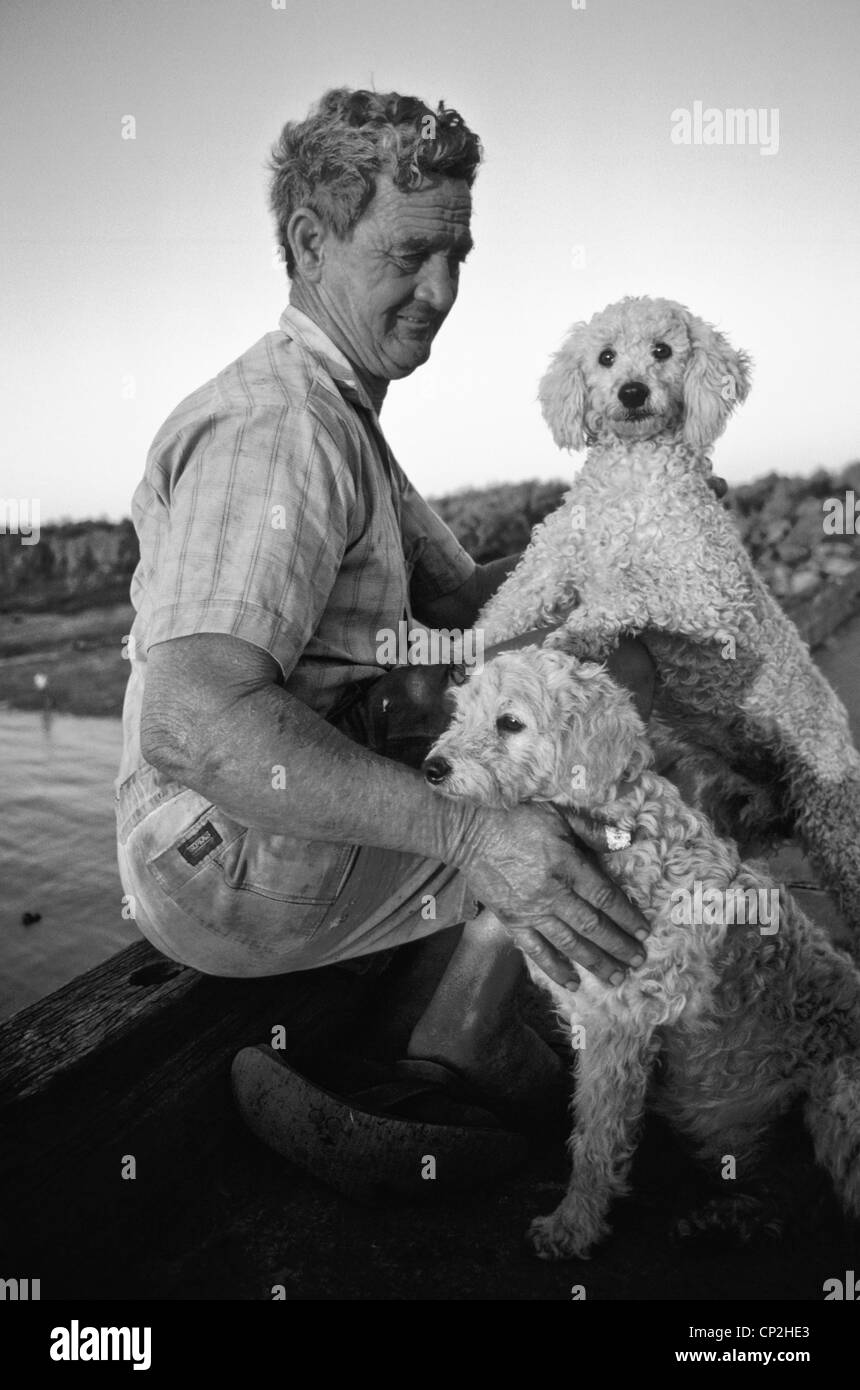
x=743, y=999
x=641, y=545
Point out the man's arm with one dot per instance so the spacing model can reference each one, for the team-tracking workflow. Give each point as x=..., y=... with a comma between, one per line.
x=461, y=607
x=215, y=719
x=629, y=664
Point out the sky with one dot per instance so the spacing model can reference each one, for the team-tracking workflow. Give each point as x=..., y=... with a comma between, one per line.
x=135, y=269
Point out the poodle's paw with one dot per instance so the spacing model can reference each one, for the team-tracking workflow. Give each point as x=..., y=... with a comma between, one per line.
x=565, y=1234
x=582, y=645
x=730, y=1223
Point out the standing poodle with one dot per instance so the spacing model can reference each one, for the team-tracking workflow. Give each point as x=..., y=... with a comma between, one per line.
x=641, y=545
x=743, y=999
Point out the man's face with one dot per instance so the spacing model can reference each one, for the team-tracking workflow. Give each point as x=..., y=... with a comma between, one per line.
x=390, y=286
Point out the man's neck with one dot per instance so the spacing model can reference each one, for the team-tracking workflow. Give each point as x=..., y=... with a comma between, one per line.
x=303, y=297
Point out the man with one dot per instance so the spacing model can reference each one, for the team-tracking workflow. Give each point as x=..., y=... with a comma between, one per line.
x=278, y=537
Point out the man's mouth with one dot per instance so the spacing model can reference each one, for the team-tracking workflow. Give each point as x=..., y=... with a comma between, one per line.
x=416, y=321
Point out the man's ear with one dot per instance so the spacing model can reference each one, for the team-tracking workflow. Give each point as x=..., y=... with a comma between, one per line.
x=306, y=234
x=716, y=380
x=563, y=393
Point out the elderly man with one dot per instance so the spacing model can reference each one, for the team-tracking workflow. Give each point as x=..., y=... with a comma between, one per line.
x=279, y=537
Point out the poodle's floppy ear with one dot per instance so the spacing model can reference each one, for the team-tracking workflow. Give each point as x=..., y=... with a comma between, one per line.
x=716, y=380
x=607, y=740
x=563, y=393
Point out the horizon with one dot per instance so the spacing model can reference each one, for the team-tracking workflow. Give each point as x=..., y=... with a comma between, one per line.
x=834, y=475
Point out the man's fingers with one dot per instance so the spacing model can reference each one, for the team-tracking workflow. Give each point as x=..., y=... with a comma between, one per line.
x=596, y=888
x=591, y=832
x=601, y=914
x=555, y=947
x=552, y=962
x=591, y=883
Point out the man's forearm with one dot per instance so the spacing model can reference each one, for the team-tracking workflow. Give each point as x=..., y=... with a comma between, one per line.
x=460, y=608
x=272, y=764
x=491, y=576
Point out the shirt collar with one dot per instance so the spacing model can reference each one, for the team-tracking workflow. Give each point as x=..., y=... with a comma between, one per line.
x=296, y=324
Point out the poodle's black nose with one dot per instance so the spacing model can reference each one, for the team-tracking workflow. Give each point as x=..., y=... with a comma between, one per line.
x=435, y=770
x=633, y=394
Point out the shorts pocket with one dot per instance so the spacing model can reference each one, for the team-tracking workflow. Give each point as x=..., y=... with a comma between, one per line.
x=242, y=882
x=204, y=841
x=305, y=872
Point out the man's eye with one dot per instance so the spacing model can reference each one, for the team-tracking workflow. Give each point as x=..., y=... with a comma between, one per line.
x=409, y=264
x=661, y=351
x=607, y=357
x=508, y=724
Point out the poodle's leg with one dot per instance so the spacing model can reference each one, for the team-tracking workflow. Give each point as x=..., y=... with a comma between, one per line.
x=590, y=635
x=829, y=825
x=832, y=1114
x=544, y=586
x=615, y=1066
x=746, y=1202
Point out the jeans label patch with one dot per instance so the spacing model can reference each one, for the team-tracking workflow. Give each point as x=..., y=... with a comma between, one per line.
x=201, y=843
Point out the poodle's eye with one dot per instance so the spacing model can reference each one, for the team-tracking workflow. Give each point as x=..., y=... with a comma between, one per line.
x=508, y=724
x=607, y=357
x=661, y=351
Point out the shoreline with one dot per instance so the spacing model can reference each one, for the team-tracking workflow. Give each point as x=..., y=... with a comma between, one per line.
x=73, y=663
x=78, y=654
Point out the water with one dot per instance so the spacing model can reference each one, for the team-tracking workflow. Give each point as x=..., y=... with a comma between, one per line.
x=57, y=853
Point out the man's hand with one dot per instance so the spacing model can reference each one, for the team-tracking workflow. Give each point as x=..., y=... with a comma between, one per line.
x=530, y=869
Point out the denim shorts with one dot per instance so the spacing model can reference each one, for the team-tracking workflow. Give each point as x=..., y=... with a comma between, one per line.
x=231, y=900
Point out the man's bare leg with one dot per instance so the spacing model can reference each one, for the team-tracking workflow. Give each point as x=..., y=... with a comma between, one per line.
x=473, y=1025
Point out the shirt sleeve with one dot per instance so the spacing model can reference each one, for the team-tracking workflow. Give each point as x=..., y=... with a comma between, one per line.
x=258, y=507
x=438, y=561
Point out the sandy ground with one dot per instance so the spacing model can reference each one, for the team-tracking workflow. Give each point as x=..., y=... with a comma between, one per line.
x=80, y=654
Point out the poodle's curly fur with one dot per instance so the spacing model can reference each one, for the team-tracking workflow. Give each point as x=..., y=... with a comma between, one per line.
x=744, y=1023
x=641, y=545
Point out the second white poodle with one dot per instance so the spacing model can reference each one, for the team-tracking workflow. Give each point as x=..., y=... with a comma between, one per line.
x=742, y=998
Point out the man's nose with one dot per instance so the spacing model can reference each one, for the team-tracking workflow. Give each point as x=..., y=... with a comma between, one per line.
x=633, y=394
x=438, y=287
x=435, y=770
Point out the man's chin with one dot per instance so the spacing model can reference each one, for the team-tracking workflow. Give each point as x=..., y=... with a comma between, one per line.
x=405, y=358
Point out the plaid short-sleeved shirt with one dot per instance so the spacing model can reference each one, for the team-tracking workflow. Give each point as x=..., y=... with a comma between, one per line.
x=272, y=509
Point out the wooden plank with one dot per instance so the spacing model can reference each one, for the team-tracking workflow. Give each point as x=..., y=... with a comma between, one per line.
x=70, y=1026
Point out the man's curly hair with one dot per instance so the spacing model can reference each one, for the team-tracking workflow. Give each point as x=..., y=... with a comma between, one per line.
x=330, y=161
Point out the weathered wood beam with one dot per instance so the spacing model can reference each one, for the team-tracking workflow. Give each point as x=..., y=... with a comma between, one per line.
x=133, y=1058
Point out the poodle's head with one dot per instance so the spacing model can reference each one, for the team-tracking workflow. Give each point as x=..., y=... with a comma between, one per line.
x=537, y=724
x=643, y=368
